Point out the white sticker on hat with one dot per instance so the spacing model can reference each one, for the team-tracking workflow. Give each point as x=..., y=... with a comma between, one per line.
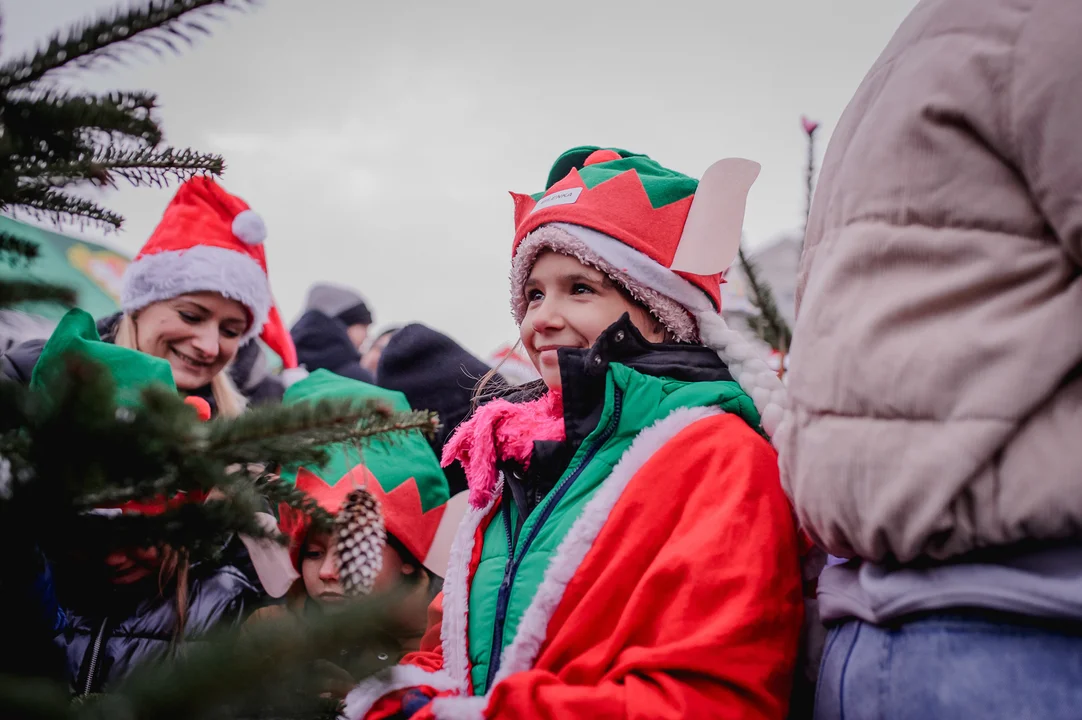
x=563, y=197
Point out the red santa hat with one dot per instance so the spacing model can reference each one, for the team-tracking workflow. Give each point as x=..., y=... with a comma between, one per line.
x=209, y=240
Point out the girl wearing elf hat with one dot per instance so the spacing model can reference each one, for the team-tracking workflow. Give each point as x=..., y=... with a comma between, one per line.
x=628, y=549
x=394, y=516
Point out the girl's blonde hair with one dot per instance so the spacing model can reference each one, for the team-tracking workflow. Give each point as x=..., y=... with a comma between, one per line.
x=229, y=400
x=175, y=564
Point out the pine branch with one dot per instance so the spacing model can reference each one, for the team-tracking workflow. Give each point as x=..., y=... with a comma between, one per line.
x=56, y=118
x=155, y=25
x=199, y=528
x=300, y=434
x=769, y=325
x=149, y=166
x=264, y=670
x=16, y=251
x=139, y=166
x=34, y=699
x=46, y=203
x=278, y=491
x=156, y=449
x=15, y=292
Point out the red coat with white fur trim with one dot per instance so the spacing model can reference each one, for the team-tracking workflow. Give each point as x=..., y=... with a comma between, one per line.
x=699, y=617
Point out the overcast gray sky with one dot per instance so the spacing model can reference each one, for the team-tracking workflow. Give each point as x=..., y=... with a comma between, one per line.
x=379, y=139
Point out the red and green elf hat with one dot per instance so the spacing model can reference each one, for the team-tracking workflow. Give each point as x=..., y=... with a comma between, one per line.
x=634, y=199
x=663, y=236
x=402, y=474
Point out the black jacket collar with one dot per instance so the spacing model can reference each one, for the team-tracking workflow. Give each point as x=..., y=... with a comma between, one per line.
x=582, y=372
x=582, y=376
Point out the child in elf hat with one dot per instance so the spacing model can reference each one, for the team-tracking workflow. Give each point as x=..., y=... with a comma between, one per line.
x=390, y=496
x=628, y=550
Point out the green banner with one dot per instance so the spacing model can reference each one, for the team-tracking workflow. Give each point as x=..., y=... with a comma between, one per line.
x=93, y=271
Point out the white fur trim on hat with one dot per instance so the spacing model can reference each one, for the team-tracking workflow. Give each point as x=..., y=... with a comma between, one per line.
x=249, y=228
x=203, y=268
x=741, y=356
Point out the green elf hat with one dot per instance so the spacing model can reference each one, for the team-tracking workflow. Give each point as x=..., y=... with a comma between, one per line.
x=663, y=236
x=402, y=475
x=132, y=371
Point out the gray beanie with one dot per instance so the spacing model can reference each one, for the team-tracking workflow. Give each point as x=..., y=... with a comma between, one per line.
x=338, y=302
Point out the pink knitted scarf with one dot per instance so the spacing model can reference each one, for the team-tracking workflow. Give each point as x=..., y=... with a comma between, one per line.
x=502, y=431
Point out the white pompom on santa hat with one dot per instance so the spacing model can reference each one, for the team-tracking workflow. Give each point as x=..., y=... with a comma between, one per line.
x=209, y=240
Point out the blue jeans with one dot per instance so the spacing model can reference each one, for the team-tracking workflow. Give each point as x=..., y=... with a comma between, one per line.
x=950, y=667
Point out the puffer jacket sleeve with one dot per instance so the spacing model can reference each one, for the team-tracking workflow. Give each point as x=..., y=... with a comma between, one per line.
x=18, y=363
x=1045, y=103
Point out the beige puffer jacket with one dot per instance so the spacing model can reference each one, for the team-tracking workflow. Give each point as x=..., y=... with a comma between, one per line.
x=936, y=371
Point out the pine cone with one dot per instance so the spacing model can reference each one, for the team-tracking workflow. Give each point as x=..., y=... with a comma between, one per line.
x=360, y=536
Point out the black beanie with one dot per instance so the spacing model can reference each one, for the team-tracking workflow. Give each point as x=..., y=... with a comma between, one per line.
x=434, y=373
x=358, y=314
x=323, y=343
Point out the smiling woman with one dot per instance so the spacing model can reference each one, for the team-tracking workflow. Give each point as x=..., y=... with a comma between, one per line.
x=199, y=335
x=196, y=296
x=198, y=291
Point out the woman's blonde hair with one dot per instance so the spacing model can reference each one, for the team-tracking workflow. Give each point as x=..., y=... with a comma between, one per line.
x=229, y=400
x=175, y=564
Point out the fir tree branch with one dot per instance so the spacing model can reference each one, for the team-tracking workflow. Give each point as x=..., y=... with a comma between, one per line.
x=298, y=434
x=770, y=326
x=46, y=203
x=139, y=166
x=154, y=24
x=278, y=491
x=54, y=117
x=15, y=292
x=35, y=698
x=263, y=670
x=198, y=528
x=150, y=166
x=158, y=448
x=15, y=251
